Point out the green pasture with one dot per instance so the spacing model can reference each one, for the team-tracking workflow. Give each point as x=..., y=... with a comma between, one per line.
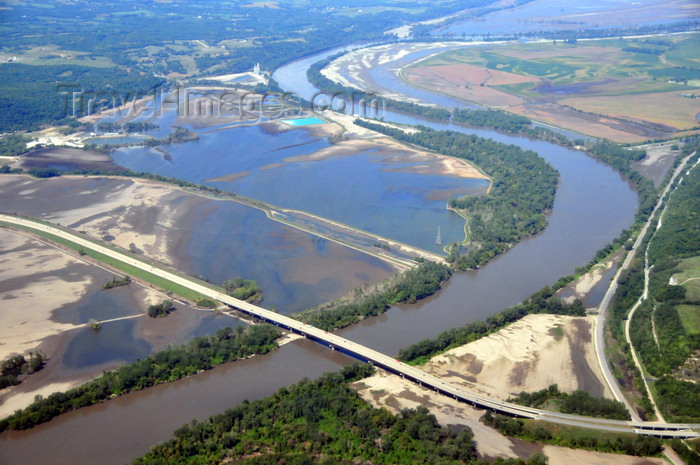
x=690, y=316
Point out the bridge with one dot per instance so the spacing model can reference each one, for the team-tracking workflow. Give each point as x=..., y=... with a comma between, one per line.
x=363, y=353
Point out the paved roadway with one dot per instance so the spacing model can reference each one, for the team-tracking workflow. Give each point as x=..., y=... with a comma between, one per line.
x=364, y=353
x=605, y=303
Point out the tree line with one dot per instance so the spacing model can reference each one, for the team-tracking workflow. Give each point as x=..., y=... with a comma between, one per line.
x=31, y=95
x=531, y=430
x=322, y=421
x=678, y=238
x=165, y=366
x=12, y=145
x=408, y=287
x=498, y=120
x=578, y=402
x=543, y=301
x=522, y=190
x=14, y=368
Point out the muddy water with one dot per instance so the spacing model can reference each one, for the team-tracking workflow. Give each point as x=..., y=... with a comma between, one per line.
x=584, y=218
x=573, y=14
x=582, y=221
x=115, y=432
x=370, y=190
x=295, y=271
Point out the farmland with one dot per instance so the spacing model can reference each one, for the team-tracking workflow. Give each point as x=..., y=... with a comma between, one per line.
x=626, y=90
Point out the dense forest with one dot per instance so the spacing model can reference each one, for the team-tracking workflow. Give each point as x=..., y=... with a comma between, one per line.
x=12, y=144
x=408, y=287
x=533, y=430
x=168, y=365
x=657, y=331
x=121, y=49
x=689, y=451
x=35, y=95
x=578, y=402
x=522, y=190
x=543, y=301
x=319, y=422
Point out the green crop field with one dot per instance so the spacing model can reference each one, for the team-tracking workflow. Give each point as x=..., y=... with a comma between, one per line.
x=685, y=53
x=648, y=80
x=690, y=316
x=689, y=276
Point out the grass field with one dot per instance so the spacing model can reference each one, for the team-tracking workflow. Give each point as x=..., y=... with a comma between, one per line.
x=668, y=108
x=639, y=89
x=685, y=53
x=690, y=316
x=688, y=269
x=52, y=55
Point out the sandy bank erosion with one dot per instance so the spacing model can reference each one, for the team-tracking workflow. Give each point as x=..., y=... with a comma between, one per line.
x=35, y=279
x=528, y=355
x=135, y=214
x=394, y=393
x=49, y=296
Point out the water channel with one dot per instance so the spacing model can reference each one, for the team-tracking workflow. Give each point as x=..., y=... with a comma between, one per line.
x=593, y=204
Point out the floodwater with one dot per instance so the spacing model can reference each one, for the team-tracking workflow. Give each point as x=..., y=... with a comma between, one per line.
x=369, y=190
x=115, y=432
x=545, y=15
x=116, y=140
x=295, y=270
x=583, y=220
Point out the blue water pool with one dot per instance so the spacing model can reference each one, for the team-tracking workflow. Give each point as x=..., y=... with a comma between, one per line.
x=303, y=121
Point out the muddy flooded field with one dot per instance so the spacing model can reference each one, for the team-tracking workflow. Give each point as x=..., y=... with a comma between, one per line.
x=216, y=240
x=53, y=301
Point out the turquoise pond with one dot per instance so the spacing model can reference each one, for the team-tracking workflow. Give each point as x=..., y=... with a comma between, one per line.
x=303, y=121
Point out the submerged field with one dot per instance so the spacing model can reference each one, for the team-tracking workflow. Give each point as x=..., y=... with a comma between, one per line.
x=627, y=90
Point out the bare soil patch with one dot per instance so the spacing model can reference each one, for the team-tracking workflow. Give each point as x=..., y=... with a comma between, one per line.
x=391, y=151
x=135, y=214
x=34, y=280
x=67, y=159
x=668, y=110
x=394, y=393
x=529, y=355
x=657, y=162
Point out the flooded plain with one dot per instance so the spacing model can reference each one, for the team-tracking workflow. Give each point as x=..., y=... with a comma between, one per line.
x=582, y=221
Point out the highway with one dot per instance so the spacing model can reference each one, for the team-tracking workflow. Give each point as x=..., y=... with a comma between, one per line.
x=363, y=353
x=599, y=339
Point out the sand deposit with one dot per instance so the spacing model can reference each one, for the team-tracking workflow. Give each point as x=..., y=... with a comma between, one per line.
x=395, y=393
x=35, y=279
x=528, y=355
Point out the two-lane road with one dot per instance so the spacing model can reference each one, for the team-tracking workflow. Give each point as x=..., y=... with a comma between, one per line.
x=599, y=339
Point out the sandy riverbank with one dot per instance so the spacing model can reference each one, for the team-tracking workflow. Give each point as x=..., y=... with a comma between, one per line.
x=529, y=355
x=350, y=70
x=388, y=150
x=394, y=393
x=657, y=162
x=582, y=288
x=35, y=279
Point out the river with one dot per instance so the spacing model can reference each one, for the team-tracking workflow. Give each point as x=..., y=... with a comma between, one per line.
x=593, y=204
